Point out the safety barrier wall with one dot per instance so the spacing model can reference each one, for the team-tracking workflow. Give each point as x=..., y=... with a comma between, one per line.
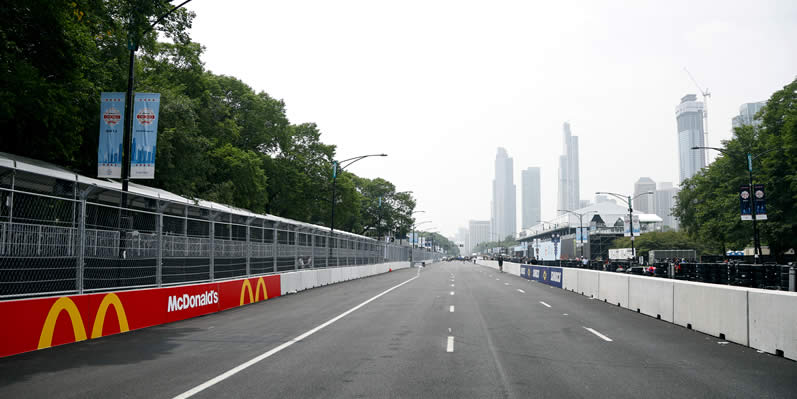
x=38, y=323
x=30, y=324
x=613, y=288
x=762, y=319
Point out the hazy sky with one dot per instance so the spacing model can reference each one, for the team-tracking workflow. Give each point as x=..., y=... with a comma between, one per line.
x=439, y=85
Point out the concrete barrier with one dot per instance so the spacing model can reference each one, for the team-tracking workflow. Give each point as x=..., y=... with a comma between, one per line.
x=651, y=296
x=588, y=283
x=713, y=309
x=289, y=282
x=336, y=275
x=773, y=322
x=570, y=279
x=613, y=288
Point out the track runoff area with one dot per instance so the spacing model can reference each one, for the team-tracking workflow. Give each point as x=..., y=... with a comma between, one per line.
x=452, y=329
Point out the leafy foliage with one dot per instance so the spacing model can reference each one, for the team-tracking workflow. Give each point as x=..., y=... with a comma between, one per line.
x=708, y=204
x=218, y=138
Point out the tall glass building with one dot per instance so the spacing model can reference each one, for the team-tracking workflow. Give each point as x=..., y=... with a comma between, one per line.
x=532, y=208
x=689, y=114
x=503, y=214
x=747, y=113
x=569, y=186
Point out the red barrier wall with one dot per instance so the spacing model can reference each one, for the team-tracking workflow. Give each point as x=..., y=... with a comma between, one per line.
x=30, y=324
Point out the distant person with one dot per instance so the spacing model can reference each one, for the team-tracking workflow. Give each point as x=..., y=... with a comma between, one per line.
x=500, y=263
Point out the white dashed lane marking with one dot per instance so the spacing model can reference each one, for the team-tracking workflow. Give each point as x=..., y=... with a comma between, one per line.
x=603, y=337
x=521, y=291
x=546, y=305
x=450, y=345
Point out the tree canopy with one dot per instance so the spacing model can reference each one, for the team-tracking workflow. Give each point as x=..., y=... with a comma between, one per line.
x=708, y=203
x=218, y=138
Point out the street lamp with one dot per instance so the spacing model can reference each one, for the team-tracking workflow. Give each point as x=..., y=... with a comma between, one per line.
x=335, y=165
x=580, y=225
x=630, y=212
x=750, y=159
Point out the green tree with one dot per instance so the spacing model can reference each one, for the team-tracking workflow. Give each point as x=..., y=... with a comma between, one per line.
x=708, y=203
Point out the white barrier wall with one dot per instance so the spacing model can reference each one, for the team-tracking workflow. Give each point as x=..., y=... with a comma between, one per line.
x=773, y=321
x=509, y=267
x=712, y=309
x=613, y=288
x=570, y=279
x=651, y=296
x=589, y=283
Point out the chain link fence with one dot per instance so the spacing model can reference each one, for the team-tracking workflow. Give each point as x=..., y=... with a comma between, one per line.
x=62, y=233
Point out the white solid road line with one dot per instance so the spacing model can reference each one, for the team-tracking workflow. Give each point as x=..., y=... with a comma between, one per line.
x=213, y=381
x=547, y=305
x=450, y=346
x=506, y=283
x=452, y=292
x=603, y=337
x=521, y=291
x=451, y=309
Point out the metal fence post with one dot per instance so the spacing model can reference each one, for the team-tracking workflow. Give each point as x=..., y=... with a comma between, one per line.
x=274, y=242
x=792, y=279
x=247, y=248
x=159, y=232
x=312, y=250
x=212, y=246
x=81, y=256
x=295, y=248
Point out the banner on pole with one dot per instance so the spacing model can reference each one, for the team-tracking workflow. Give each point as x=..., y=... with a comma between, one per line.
x=109, y=150
x=145, y=135
x=582, y=235
x=627, y=227
x=744, y=203
x=760, y=202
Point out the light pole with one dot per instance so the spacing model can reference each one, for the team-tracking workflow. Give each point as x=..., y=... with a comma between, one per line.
x=335, y=165
x=414, y=225
x=630, y=212
x=750, y=159
x=127, y=131
x=580, y=226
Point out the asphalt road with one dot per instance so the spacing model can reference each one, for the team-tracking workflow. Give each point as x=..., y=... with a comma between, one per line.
x=496, y=336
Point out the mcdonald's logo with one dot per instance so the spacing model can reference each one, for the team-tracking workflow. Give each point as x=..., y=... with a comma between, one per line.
x=78, y=329
x=247, y=287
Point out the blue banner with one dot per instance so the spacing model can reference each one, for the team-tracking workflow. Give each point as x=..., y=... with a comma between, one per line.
x=145, y=135
x=543, y=274
x=744, y=203
x=112, y=120
x=760, y=201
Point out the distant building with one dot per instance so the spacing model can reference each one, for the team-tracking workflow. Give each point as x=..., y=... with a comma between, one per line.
x=478, y=232
x=463, y=237
x=503, y=213
x=747, y=113
x=689, y=115
x=665, y=201
x=603, y=198
x=645, y=203
x=532, y=205
x=584, y=203
x=569, y=187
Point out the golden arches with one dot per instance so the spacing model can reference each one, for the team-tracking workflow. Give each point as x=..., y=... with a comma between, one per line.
x=247, y=287
x=110, y=299
x=63, y=303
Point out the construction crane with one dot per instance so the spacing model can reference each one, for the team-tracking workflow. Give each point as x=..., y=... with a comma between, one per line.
x=706, y=94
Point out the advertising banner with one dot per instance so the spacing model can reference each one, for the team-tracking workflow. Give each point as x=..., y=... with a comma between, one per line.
x=744, y=203
x=543, y=274
x=626, y=229
x=145, y=135
x=109, y=150
x=44, y=322
x=760, y=202
x=582, y=235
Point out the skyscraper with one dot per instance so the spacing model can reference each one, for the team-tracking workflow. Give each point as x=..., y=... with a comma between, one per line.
x=569, y=187
x=665, y=201
x=503, y=214
x=532, y=208
x=747, y=113
x=463, y=237
x=689, y=114
x=645, y=203
x=478, y=232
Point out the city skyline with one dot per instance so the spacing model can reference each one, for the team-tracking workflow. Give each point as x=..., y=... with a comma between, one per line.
x=569, y=188
x=689, y=115
x=531, y=193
